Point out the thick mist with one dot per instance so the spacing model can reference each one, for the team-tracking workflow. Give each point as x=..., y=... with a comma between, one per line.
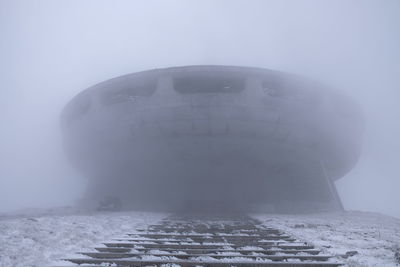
x=52, y=50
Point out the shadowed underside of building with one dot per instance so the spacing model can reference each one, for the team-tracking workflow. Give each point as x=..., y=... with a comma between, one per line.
x=213, y=137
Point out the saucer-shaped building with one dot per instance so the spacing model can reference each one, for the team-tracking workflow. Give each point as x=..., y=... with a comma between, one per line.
x=213, y=137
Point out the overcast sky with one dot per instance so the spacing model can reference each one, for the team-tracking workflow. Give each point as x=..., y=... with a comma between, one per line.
x=51, y=50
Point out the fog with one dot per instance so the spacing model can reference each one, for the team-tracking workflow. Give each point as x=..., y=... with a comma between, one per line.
x=51, y=50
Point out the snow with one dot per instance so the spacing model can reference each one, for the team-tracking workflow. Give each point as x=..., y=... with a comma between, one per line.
x=41, y=239
x=374, y=237
x=44, y=239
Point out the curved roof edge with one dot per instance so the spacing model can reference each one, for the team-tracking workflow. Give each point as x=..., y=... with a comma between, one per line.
x=196, y=68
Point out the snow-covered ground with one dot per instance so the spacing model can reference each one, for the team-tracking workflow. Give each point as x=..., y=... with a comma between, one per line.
x=374, y=237
x=27, y=241
x=40, y=239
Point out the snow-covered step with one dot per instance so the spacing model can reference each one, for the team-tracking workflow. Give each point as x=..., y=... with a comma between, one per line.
x=211, y=237
x=224, y=263
x=107, y=255
x=205, y=246
x=201, y=231
x=215, y=240
x=167, y=235
x=216, y=251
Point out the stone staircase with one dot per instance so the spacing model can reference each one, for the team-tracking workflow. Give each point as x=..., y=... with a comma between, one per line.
x=182, y=241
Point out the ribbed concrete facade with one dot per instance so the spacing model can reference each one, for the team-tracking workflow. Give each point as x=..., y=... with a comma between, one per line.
x=213, y=136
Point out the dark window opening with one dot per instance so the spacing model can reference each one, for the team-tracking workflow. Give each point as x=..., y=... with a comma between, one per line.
x=197, y=84
x=275, y=89
x=129, y=92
